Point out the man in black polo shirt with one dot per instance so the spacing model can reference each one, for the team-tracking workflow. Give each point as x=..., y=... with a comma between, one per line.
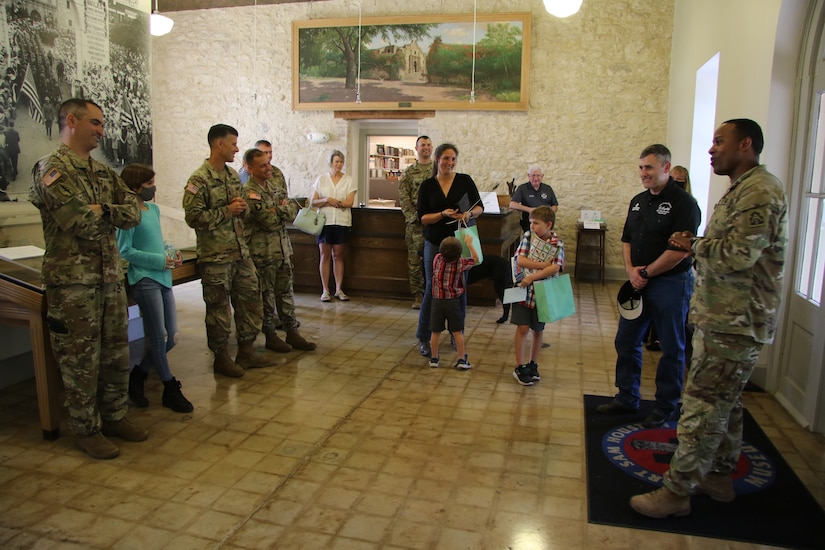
x=666, y=281
x=533, y=194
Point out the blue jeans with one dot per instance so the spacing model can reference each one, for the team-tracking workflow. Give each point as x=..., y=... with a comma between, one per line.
x=423, y=332
x=160, y=324
x=665, y=304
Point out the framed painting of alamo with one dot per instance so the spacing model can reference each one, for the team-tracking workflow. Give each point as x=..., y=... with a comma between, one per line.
x=422, y=62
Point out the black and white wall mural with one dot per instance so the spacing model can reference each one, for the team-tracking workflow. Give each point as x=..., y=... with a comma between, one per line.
x=51, y=50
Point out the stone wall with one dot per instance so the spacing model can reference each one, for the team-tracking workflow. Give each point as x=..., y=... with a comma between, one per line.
x=598, y=94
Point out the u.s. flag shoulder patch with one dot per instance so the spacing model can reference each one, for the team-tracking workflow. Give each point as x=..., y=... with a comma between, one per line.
x=254, y=196
x=51, y=176
x=192, y=188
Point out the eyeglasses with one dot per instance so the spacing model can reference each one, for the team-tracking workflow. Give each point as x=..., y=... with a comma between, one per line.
x=680, y=181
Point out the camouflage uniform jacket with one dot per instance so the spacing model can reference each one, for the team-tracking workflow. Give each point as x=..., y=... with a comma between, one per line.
x=206, y=199
x=81, y=246
x=269, y=212
x=408, y=190
x=740, y=259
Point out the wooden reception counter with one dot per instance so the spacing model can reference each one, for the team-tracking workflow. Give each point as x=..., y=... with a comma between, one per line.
x=375, y=261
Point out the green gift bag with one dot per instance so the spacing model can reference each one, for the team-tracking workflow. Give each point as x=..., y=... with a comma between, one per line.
x=554, y=298
x=465, y=251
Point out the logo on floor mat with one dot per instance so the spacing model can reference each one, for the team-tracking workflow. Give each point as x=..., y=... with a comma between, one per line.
x=645, y=454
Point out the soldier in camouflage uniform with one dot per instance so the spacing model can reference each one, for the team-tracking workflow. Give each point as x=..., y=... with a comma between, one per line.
x=265, y=231
x=81, y=202
x=408, y=195
x=740, y=263
x=215, y=209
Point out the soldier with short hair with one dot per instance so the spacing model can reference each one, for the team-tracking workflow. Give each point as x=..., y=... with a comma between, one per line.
x=215, y=209
x=740, y=263
x=266, y=235
x=414, y=232
x=81, y=202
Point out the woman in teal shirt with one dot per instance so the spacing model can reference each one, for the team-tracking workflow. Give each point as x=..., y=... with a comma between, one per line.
x=150, y=280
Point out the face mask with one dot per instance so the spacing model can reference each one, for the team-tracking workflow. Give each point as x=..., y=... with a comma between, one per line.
x=147, y=193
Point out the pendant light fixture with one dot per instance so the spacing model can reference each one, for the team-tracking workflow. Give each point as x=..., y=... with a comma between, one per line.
x=562, y=8
x=159, y=24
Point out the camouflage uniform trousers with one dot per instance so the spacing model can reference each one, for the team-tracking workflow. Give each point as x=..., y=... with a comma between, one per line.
x=276, y=289
x=414, y=236
x=88, y=330
x=236, y=282
x=710, y=427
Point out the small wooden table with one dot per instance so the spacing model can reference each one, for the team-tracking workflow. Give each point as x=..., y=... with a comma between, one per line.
x=590, y=245
x=22, y=303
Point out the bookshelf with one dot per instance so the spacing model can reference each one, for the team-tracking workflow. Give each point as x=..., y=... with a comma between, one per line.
x=388, y=162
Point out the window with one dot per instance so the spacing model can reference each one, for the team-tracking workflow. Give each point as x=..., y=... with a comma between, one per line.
x=811, y=267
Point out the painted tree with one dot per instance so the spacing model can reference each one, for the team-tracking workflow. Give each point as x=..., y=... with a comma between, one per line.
x=314, y=42
x=504, y=41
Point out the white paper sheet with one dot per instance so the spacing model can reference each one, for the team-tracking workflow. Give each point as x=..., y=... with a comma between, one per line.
x=515, y=294
x=490, y=202
x=21, y=252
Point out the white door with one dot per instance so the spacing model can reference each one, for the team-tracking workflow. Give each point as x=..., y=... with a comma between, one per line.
x=801, y=375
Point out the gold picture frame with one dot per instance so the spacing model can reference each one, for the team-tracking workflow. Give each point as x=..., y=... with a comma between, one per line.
x=422, y=62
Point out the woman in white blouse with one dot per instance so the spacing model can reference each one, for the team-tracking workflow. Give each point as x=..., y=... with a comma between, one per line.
x=334, y=194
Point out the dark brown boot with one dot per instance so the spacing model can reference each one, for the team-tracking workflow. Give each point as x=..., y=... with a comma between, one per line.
x=276, y=344
x=249, y=359
x=297, y=341
x=225, y=365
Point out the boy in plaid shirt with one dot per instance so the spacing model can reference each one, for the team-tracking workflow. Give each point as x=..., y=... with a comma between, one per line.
x=448, y=287
x=540, y=255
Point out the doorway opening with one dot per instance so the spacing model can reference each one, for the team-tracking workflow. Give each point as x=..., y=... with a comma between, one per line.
x=385, y=149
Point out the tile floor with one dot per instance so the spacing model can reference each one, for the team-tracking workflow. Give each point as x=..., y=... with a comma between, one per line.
x=357, y=445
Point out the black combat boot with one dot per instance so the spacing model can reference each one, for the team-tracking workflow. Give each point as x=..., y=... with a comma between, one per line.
x=174, y=399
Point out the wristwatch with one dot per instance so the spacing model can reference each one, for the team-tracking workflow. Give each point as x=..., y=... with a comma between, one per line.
x=643, y=273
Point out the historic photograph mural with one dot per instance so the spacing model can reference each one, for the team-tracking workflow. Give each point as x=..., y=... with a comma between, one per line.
x=423, y=62
x=52, y=50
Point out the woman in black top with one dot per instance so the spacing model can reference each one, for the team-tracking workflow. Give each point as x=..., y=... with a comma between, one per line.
x=443, y=199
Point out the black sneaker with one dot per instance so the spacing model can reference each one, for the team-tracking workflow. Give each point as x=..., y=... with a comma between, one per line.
x=533, y=368
x=523, y=376
x=433, y=362
x=463, y=364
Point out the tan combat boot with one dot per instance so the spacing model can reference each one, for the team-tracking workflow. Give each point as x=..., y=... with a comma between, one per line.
x=248, y=358
x=661, y=503
x=224, y=365
x=276, y=344
x=124, y=429
x=294, y=339
x=717, y=486
x=96, y=446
